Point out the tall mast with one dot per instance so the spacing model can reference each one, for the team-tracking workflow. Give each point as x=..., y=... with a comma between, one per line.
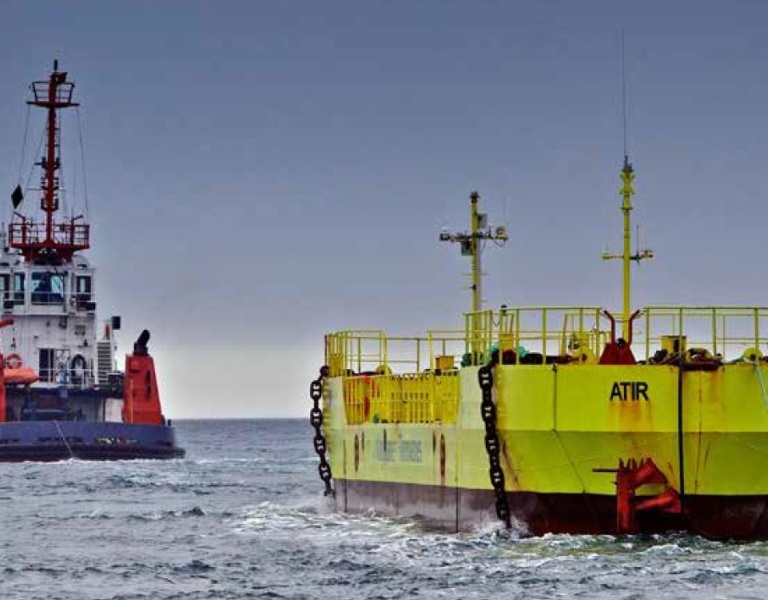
x=53, y=241
x=471, y=246
x=627, y=191
x=477, y=268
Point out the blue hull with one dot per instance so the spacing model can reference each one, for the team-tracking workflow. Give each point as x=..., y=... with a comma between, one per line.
x=86, y=440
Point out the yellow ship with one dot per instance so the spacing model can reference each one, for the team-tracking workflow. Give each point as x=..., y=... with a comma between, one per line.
x=551, y=419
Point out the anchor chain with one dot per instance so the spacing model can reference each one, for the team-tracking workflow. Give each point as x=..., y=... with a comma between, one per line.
x=492, y=445
x=316, y=420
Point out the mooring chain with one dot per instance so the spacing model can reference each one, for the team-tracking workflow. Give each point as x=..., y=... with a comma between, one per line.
x=492, y=445
x=316, y=420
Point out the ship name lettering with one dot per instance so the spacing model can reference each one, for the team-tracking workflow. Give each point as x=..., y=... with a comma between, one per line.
x=629, y=390
x=385, y=453
x=410, y=451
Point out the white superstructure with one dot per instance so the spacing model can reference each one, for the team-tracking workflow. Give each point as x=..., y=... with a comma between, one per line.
x=55, y=329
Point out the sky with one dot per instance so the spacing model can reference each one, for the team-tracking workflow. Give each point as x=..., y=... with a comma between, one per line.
x=262, y=173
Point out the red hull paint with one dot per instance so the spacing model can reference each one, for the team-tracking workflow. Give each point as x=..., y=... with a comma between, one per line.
x=454, y=509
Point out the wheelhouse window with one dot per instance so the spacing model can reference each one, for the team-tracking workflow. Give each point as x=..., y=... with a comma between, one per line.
x=5, y=286
x=18, y=288
x=47, y=288
x=83, y=292
x=83, y=288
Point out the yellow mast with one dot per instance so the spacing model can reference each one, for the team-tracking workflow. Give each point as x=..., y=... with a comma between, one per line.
x=477, y=272
x=471, y=246
x=627, y=191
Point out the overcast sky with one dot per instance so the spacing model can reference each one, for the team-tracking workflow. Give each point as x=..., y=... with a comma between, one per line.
x=261, y=173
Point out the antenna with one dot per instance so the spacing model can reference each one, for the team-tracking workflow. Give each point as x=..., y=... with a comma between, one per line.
x=624, y=99
x=627, y=191
x=470, y=244
x=52, y=241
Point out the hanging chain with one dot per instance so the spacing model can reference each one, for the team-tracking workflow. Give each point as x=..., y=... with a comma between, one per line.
x=316, y=420
x=492, y=445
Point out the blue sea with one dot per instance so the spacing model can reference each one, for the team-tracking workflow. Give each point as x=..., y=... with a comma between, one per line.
x=243, y=516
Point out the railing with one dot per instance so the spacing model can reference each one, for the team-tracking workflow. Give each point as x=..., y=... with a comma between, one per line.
x=409, y=398
x=724, y=331
x=372, y=352
x=25, y=234
x=527, y=335
x=517, y=333
x=72, y=379
x=415, y=379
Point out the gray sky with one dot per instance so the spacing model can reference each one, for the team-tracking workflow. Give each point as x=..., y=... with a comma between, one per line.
x=260, y=173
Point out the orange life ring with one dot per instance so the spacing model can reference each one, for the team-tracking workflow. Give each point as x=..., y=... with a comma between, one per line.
x=13, y=361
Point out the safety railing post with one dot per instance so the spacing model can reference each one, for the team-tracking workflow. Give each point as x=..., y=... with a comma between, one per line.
x=359, y=354
x=418, y=355
x=647, y=333
x=384, y=350
x=757, y=329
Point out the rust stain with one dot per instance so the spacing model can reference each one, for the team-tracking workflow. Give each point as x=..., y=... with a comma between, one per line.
x=507, y=462
x=442, y=460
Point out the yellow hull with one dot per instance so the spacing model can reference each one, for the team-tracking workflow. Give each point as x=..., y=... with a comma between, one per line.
x=563, y=428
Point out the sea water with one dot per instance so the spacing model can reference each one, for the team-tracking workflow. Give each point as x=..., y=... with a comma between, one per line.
x=243, y=516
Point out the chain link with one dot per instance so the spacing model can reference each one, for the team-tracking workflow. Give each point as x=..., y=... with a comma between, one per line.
x=492, y=444
x=316, y=420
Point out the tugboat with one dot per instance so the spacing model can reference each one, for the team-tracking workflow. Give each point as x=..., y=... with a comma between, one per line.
x=565, y=419
x=61, y=395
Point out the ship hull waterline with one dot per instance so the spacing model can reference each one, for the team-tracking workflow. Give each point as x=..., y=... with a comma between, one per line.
x=49, y=441
x=456, y=510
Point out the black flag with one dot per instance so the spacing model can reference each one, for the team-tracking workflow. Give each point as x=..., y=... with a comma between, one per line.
x=17, y=196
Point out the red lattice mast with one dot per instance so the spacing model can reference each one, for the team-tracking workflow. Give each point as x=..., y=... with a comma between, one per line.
x=54, y=241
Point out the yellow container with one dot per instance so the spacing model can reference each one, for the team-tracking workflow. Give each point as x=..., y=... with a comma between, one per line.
x=444, y=363
x=674, y=343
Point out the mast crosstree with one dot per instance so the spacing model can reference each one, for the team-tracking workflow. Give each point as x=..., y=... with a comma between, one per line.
x=471, y=246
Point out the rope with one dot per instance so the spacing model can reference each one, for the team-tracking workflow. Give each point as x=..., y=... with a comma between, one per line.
x=63, y=439
x=28, y=184
x=24, y=142
x=82, y=159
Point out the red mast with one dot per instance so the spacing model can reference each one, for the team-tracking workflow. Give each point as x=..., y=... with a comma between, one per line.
x=53, y=242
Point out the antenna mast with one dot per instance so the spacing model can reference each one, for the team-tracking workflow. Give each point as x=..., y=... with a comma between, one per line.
x=627, y=191
x=470, y=246
x=52, y=241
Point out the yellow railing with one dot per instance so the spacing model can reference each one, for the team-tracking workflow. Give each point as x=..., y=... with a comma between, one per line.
x=533, y=332
x=539, y=334
x=372, y=352
x=408, y=398
x=724, y=331
x=415, y=379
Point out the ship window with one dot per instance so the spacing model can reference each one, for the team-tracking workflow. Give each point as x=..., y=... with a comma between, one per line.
x=46, y=368
x=83, y=288
x=18, y=288
x=5, y=286
x=47, y=288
